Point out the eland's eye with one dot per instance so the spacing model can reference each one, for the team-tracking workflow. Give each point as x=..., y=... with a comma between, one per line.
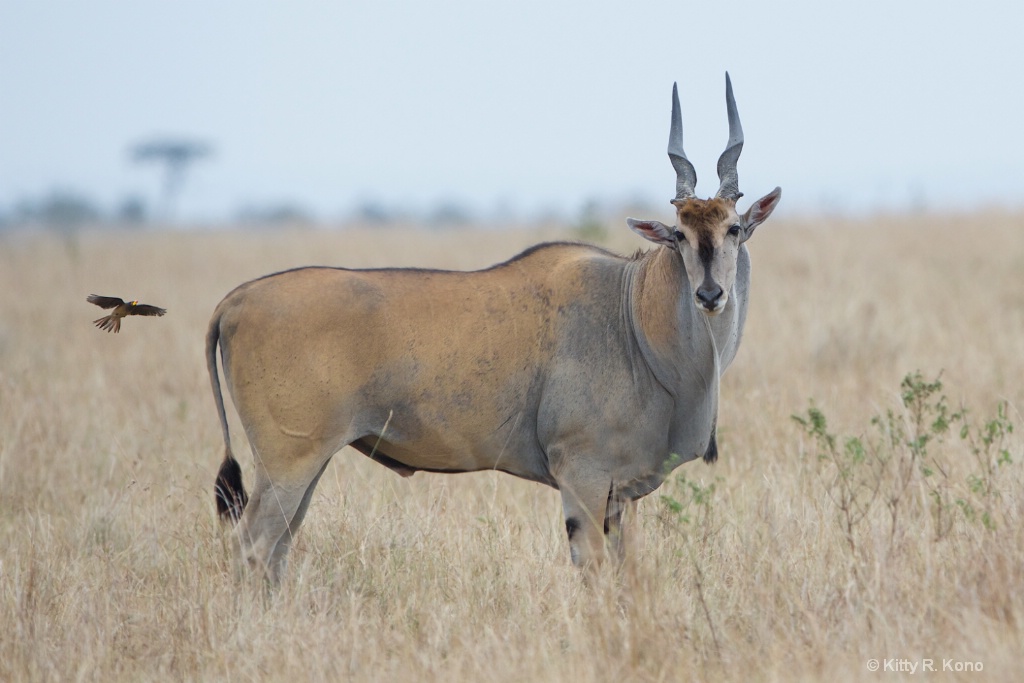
x=734, y=230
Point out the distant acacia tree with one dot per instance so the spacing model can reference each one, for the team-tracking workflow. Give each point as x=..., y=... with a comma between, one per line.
x=176, y=155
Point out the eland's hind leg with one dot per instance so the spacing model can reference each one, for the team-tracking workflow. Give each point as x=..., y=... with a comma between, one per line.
x=285, y=479
x=279, y=558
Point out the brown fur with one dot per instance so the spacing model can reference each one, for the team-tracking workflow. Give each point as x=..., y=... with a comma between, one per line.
x=705, y=217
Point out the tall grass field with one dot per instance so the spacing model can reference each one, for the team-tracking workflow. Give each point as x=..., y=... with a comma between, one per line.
x=863, y=522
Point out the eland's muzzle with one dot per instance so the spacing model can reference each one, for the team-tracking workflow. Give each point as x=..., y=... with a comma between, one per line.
x=712, y=299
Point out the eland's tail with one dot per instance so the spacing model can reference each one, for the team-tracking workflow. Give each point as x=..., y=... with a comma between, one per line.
x=228, y=489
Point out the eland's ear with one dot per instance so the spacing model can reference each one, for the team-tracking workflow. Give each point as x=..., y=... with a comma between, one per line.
x=656, y=232
x=759, y=211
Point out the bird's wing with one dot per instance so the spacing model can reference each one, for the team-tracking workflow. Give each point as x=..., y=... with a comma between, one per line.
x=146, y=309
x=104, y=301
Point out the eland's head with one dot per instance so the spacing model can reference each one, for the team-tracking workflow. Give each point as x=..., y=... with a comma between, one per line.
x=710, y=231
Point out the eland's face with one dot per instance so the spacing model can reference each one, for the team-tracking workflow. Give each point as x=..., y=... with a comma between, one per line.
x=709, y=235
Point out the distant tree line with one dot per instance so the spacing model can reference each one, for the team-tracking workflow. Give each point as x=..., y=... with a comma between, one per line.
x=68, y=210
x=62, y=209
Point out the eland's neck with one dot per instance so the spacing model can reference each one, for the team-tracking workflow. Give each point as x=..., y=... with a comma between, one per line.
x=674, y=337
x=686, y=351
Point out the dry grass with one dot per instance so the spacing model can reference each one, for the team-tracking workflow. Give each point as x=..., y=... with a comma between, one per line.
x=114, y=568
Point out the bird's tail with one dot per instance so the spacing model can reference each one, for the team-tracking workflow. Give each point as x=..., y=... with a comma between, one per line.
x=109, y=323
x=228, y=490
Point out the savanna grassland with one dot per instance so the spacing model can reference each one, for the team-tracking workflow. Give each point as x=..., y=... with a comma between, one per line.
x=883, y=525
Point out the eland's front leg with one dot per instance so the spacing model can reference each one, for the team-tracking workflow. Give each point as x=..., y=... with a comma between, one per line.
x=620, y=528
x=585, y=504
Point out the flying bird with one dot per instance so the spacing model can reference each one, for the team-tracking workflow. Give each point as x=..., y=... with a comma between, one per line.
x=112, y=322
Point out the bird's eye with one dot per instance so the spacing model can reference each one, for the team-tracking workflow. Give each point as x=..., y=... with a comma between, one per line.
x=734, y=230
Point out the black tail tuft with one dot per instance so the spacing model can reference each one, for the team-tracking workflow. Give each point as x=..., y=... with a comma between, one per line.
x=229, y=491
x=711, y=454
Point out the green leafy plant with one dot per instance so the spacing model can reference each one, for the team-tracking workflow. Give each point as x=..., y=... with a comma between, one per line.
x=905, y=449
x=850, y=472
x=688, y=503
x=988, y=445
x=691, y=502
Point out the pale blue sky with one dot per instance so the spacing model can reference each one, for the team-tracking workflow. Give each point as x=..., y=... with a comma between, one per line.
x=534, y=105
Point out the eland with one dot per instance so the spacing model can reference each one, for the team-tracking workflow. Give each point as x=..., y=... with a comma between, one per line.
x=566, y=365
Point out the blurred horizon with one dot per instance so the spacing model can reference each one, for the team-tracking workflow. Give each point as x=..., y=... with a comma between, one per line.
x=498, y=113
x=67, y=211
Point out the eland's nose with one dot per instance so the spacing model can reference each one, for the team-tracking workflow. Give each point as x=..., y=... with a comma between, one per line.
x=709, y=296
